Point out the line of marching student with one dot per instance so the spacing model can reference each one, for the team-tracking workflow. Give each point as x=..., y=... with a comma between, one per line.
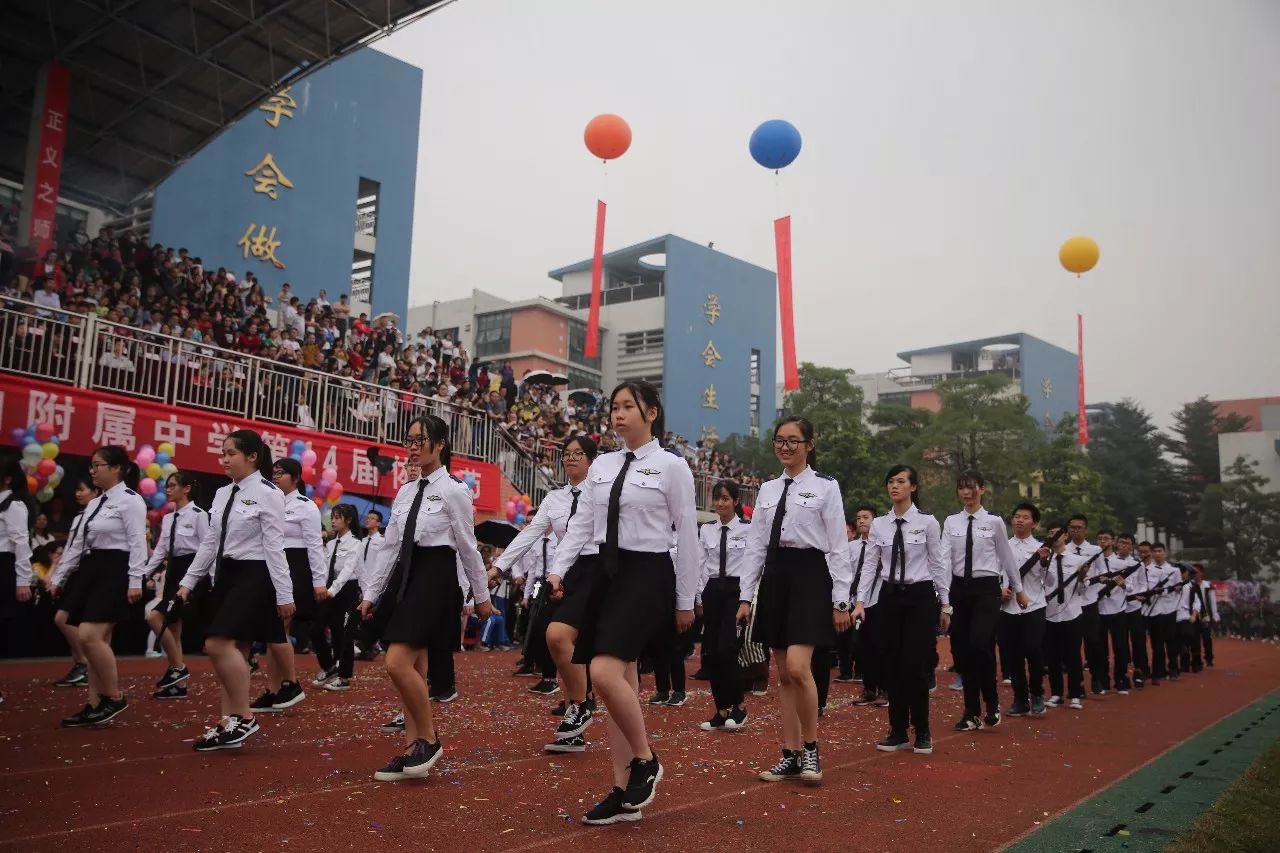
x=629, y=568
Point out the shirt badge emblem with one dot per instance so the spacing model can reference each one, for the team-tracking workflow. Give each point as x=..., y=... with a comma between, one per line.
x=648, y=472
x=248, y=502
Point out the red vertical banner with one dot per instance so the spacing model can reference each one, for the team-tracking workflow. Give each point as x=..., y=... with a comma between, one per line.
x=786, y=313
x=592, y=349
x=44, y=164
x=1083, y=433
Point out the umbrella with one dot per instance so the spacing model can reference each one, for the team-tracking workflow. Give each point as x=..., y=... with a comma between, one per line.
x=496, y=533
x=545, y=377
x=558, y=379
x=387, y=315
x=582, y=395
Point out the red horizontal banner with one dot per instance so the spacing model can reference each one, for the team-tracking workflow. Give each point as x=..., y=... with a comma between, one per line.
x=84, y=420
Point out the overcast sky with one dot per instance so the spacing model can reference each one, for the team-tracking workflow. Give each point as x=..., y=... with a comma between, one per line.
x=949, y=148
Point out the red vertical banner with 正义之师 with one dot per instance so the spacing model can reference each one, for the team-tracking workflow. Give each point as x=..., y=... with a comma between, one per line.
x=592, y=349
x=44, y=161
x=786, y=313
x=1083, y=433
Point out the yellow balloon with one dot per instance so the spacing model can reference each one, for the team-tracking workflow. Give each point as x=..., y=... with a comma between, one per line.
x=154, y=471
x=1078, y=255
x=49, y=450
x=165, y=447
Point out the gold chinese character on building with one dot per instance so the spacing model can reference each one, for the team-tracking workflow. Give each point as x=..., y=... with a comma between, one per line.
x=279, y=104
x=709, y=398
x=267, y=176
x=262, y=246
x=711, y=308
x=710, y=355
x=710, y=438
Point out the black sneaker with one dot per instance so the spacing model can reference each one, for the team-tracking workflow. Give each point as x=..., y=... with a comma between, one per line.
x=393, y=772
x=1037, y=706
x=173, y=675
x=525, y=671
x=882, y=699
x=289, y=694
x=338, y=685
x=924, y=744
x=575, y=721
x=445, y=696
x=786, y=769
x=991, y=720
x=731, y=722
x=760, y=688
x=968, y=723
x=545, y=687
x=865, y=699
x=642, y=784
x=393, y=726
x=324, y=676
x=716, y=723
x=559, y=710
x=810, y=767
x=659, y=698
x=422, y=759
x=610, y=810
x=107, y=710
x=264, y=704
x=737, y=718
x=1138, y=682
x=1017, y=709
x=230, y=734
x=79, y=719
x=173, y=691
x=577, y=743
x=677, y=699
x=590, y=703
x=894, y=743
x=701, y=675
x=76, y=676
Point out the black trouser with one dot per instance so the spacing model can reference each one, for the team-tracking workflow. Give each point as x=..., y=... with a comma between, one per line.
x=820, y=666
x=976, y=604
x=1188, y=647
x=536, y=653
x=1136, y=624
x=1162, y=630
x=869, y=645
x=440, y=673
x=1115, y=628
x=847, y=653
x=910, y=618
x=1003, y=665
x=1024, y=653
x=339, y=616
x=667, y=654
x=1095, y=644
x=719, y=641
x=1062, y=653
x=1204, y=629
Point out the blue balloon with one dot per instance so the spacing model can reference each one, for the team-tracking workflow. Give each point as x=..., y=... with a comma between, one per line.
x=311, y=490
x=775, y=144
x=519, y=518
x=297, y=447
x=162, y=459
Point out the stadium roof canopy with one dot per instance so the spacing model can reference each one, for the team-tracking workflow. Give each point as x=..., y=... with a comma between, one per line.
x=154, y=81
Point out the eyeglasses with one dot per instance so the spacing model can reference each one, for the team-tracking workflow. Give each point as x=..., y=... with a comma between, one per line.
x=94, y=466
x=574, y=456
x=414, y=441
x=788, y=443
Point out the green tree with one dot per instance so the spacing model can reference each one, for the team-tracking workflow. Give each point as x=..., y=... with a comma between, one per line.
x=755, y=454
x=1138, y=480
x=826, y=398
x=1196, y=427
x=1250, y=523
x=1069, y=484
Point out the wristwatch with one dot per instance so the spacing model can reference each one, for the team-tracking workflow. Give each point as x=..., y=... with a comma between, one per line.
x=947, y=610
x=842, y=606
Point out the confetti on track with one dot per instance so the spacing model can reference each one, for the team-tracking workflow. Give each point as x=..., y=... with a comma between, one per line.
x=306, y=780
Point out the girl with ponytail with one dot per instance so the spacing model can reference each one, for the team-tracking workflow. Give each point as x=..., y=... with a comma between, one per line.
x=78, y=675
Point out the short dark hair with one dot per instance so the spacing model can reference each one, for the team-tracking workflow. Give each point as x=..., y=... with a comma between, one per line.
x=1106, y=531
x=1078, y=517
x=378, y=513
x=1144, y=542
x=1158, y=544
x=865, y=507
x=970, y=477
x=1128, y=536
x=1029, y=507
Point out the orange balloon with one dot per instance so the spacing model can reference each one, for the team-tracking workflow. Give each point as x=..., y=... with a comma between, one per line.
x=608, y=136
x=32, y=485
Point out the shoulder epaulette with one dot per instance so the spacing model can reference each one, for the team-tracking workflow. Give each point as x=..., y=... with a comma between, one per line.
x=267, y=480
x=131, y=492
x=674, y=452
x=744, y=521
x=455, y=479
x=302, y=498
x=196, y=508
x=822, y=476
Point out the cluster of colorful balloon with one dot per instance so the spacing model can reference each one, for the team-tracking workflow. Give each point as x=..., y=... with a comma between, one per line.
x=157, y=465
x=517, y=508
x=39, y=443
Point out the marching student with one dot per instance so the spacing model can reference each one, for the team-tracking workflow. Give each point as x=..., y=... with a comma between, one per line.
x=304, y=552
x=667, y=654
x=848, y=664
x=85, y=491
x=366, y=640
x=1024, y=626
x=1208, y=615
x=917, y=585
x=252, y=593
x=415, y=584
x=1064, y=596
x=868, y=646
x=530, y=574
x=110, y=555
x=1160, y=607
x=336, y=612
x=975, y=546
x=1188, y=613
x=1090, y=622
x=1111, y=606
x=798, y=553
x=635, y=495
x=1135, y=620
x=15, y=545
x=724, y=543
x=181, y=533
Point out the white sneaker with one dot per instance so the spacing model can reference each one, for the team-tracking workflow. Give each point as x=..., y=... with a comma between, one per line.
x=1076, y=705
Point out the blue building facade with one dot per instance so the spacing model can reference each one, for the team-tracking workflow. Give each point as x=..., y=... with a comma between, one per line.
x=1049, y=375
x=314, y=188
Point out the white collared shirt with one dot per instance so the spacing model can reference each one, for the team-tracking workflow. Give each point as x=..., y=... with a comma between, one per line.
x=255, y=532
x=1061, y=575
x=1032, y=581
x=1111, y=599
x=536, y=563
x=553, y=514
x=346, y=564
x=302, y=530
x=446, y=518
x=1166, y=600
x=860, y=550
x=813, y=518
x=1188, y=602
x=369, y=547
x=13, y=537
x=1140, y=581
x=735, y=549
x=921, y=535
x=1210, y=600
x=992, y=557
x=657, y=494
x=193, y=526
x=1087, y=550
x=119, y=523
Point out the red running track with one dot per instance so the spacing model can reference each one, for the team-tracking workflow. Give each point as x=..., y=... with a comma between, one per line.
x=306, y=780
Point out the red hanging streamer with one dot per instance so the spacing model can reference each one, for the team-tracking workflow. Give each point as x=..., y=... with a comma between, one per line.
x=782, y=241
x=1083, y=433
x=597, y=273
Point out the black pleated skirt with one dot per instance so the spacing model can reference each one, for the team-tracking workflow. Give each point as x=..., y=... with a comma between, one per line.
x=793, y=605
x=242, y=604
x=8, y=583
x=304, y=594
x=429, y=613
x=174, y=572
x=101, y=591
x=577, y=584
x=627, y=612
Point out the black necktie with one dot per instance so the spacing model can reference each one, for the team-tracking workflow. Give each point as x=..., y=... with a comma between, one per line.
x=102, y=500
x=1061, y=593
x=226, y=517
x=857, y=575
x=544, y=558
x=407, y=540
x=724, y=548
x=898, y=553
x=968, y=550
x=775, y=533
x=1077, y=550
x=573, y=508
x=333, y=561
x=611, y=522
x=173, y=530
x=367, y=540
